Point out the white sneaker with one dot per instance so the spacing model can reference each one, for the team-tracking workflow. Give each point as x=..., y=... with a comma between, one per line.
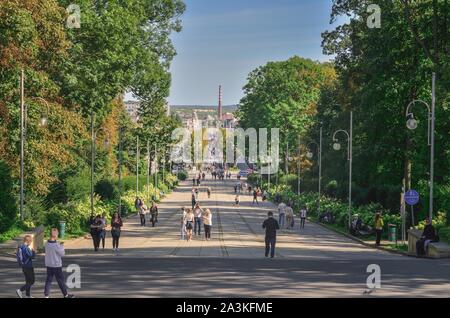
x=19, y=293
x=29, y=297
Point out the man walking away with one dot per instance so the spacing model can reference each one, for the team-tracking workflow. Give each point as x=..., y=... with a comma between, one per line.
x=271, y=226
x=255, y=197
x=54, y=252
x=25, y=256
x=303, y=212
x=208, y=192
x=281, y=214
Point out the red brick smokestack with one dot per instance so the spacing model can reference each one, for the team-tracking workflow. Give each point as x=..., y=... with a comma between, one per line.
x=220, y=102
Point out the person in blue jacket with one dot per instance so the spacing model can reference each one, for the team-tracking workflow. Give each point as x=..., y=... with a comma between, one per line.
x=25, y=256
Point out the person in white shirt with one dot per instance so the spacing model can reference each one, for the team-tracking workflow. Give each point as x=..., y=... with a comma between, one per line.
x=207, y=223
x=303, y=212
x=197, y=219
x=54, y=252
x=281, y=214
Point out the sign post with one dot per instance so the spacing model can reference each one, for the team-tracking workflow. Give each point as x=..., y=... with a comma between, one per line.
x=412, y=198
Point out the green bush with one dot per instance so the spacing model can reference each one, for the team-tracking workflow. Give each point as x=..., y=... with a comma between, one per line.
x=106, y=190
x=79, y=185
x=444, y=234
x=8, y=208
x=182, y=175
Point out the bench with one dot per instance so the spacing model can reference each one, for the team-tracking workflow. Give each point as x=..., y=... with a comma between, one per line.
x=435, y=250
x=37, y=241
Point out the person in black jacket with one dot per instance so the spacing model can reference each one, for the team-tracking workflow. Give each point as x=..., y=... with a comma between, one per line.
x=271, y=226
x=428, y=236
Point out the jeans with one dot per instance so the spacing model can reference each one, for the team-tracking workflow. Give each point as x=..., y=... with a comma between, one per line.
x=281, y=220
x=302, y=223
x=207, y=231
x=378, y=233
x=115, y=238
x=270, y=246
x=102, y=238
x=142, y=216
x=197, y=224
x=96, y=240
x=28, y=272
x=58, y=273
x=255, y=200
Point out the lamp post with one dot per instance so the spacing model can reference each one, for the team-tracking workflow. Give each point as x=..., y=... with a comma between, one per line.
x=299, y=166
x=310, y=155
x=337, y=147
x=42, y=122
x=94, y=134
x=412, y=124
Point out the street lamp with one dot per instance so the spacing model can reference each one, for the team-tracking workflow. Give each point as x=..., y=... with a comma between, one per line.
x=412, y=124
x=337, y=147
x=42, y=122
x=310, y=155
x=93, y=150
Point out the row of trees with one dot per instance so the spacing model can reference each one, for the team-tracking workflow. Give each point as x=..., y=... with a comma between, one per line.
x=376, y=73
x=82, y=73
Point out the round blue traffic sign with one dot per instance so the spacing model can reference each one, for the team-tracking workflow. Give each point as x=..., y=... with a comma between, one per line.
x=412, y=197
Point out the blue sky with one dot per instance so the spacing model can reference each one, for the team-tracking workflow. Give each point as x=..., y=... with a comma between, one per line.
x=222, y=41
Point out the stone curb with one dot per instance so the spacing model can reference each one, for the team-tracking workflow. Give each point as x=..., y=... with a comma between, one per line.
x=381, y=248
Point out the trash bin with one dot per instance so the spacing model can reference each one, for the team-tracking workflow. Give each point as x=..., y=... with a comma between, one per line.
x=392, y=234
x=62, y=229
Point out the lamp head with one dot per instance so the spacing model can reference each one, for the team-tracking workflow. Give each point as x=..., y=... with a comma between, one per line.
x=411, y=123
x=337, y=146
x=43, y=121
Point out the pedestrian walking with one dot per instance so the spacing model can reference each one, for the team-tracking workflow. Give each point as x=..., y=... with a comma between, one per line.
x=264, y=195
x=281, y=214
x=197, y=193
x=103, y=230
x=235, y=188
x=249, y=188
x=154, y=214
x=142, y=212
x=207, y=223
x=193, y=200
x=25, y=256
x=289, y=217
x=303, y=213
x=116, y=228
x=237, y=200
x=189, y=221
x=208, y=192
x=379, y=223
x=255, y=197
x=193, y=182
x=271, y=226
x=203, y=176
x=95, y=229
x=183, y=223
x=197, y=219
x=54, y=251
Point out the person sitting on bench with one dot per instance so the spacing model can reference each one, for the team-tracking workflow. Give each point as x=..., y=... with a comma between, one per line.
x=428, y=236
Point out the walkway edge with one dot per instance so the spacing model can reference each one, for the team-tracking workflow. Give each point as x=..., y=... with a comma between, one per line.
x=361, y=241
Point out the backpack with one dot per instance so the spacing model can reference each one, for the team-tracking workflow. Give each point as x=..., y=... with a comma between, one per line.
x=19, y=256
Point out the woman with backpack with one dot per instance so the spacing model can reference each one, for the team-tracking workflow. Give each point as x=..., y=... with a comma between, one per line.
x=25, y=256
x=189, y=221
x=154, y=214
x=116, y=228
